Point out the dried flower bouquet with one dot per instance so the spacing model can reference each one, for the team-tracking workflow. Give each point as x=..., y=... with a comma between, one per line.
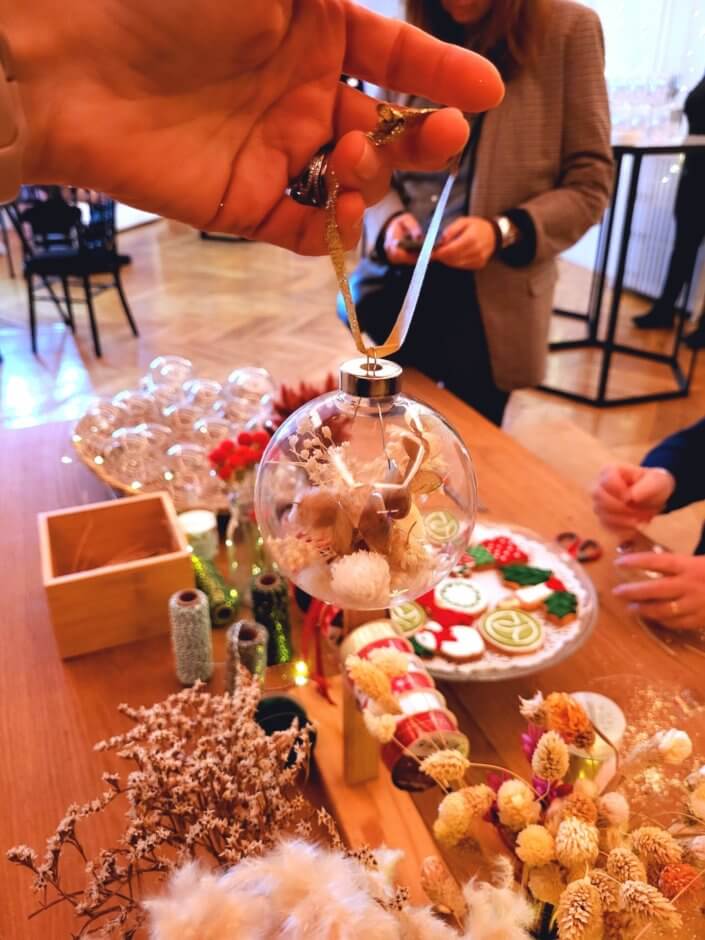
x=207, y=783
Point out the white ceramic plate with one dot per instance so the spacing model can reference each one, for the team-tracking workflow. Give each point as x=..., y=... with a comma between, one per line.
x=559, y=642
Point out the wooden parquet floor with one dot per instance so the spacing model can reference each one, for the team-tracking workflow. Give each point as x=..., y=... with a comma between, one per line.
x=225, y=304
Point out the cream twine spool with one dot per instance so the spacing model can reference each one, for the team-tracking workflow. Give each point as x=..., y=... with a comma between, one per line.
x=200, y=527
x=246, y=644
x=191, y=636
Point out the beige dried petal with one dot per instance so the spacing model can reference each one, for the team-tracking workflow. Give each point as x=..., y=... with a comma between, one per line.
x=579, y=912
x=550, y=760
x=502, y=872
x=607, y=888
x=648, y=904
x=656, y=848
x=577, y=843
x=532, y=709
x=392, y=662
x=535, y=846
x=547, y=883
x=381, y=727
x=441, y=889
x=624, y=865
x=446, y=767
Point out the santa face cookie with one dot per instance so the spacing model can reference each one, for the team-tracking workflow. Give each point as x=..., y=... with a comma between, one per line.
x=514, y=632
x=458, y=644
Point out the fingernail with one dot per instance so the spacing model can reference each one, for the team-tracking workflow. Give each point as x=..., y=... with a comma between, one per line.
x=618, y=590
x=367, y=166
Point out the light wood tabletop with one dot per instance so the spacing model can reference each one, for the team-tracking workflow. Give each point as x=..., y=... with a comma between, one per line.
x=53, y=711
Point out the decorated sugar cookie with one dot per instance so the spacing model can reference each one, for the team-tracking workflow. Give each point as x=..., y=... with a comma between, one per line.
x=460, y=595
x=531, y=598
x=483, y=557
x=441, y=526
x=518, y=576
x=515, y=632
x=504, y=550
x=458, y=643
x=407, y=618
x=561, y=607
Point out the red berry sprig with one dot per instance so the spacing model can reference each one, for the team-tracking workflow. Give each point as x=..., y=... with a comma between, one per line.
x=231, y=458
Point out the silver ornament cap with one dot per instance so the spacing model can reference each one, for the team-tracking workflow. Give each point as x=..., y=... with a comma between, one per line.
x=370, y=378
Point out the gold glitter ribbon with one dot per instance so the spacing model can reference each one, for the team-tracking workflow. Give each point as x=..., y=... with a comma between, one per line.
x=393, y=121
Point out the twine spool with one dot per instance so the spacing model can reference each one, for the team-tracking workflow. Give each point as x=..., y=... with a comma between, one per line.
x=270, y=606
x=223, y=601
x=246, y=645
x=191, y=636
x=200, y=527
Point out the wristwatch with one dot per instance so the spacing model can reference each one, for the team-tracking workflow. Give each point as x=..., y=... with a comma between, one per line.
x=508, y=231
x=13, y=129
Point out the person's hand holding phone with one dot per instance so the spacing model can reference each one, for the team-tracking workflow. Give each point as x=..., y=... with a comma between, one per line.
x=402, y=236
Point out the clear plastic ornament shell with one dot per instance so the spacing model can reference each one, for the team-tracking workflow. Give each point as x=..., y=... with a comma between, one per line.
x=364, y=502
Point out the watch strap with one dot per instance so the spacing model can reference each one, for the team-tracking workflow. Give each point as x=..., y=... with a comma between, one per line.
x=13, y=128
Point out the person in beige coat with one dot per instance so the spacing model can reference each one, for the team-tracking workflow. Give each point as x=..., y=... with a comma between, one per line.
x=536, y=175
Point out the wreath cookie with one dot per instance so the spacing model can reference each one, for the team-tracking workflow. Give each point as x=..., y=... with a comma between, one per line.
x=461, y=596
x=514, y=632
x=407, y=618
x=441, y=526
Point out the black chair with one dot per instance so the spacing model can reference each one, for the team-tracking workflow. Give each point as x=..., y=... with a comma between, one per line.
x=58, y=246
x=6, y=243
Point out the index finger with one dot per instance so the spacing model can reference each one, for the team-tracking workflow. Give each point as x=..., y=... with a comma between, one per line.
x=663, y=562
x=395, y=55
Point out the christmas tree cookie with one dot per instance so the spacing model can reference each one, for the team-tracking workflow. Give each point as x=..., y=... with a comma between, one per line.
x=520, y=575
x=561, y=607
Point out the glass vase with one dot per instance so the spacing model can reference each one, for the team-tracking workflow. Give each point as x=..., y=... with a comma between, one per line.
x=243, y=540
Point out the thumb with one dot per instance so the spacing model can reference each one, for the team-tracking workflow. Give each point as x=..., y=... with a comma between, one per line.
x=650, y=490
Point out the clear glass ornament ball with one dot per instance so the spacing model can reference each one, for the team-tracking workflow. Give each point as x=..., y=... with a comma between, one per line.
x=366, y=497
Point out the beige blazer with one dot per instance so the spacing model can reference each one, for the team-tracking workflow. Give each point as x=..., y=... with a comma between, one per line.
x=545, y=149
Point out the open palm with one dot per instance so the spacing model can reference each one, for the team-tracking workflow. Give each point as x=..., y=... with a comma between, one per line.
x=203, y=112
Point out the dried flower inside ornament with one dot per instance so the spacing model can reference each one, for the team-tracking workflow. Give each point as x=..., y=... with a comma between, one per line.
x=380, y=516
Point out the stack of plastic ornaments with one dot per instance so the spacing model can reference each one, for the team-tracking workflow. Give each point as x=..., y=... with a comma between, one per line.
x=365, y=497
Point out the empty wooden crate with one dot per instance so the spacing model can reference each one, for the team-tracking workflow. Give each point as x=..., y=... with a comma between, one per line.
x=109, y=570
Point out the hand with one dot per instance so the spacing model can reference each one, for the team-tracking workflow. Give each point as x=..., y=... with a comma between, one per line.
x=401, y=225
x=468, y=243
x=626, y=496
x=205, y=113
x=676, y=600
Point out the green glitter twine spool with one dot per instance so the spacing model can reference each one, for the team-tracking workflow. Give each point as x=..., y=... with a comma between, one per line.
x=270, y=606
x=223, y=601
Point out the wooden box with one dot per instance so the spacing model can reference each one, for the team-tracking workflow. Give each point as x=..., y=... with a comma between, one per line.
x=109, y=570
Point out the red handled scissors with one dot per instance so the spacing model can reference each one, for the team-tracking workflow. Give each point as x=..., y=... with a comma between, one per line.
x=584, y=550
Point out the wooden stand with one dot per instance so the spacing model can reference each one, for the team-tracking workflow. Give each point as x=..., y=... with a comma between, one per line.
x=360, y=750
x=370, y=813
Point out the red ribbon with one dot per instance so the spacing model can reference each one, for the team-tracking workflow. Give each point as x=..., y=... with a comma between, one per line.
x=317, y=622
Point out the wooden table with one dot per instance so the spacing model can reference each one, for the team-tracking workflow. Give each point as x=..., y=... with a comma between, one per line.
x=53, y=711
